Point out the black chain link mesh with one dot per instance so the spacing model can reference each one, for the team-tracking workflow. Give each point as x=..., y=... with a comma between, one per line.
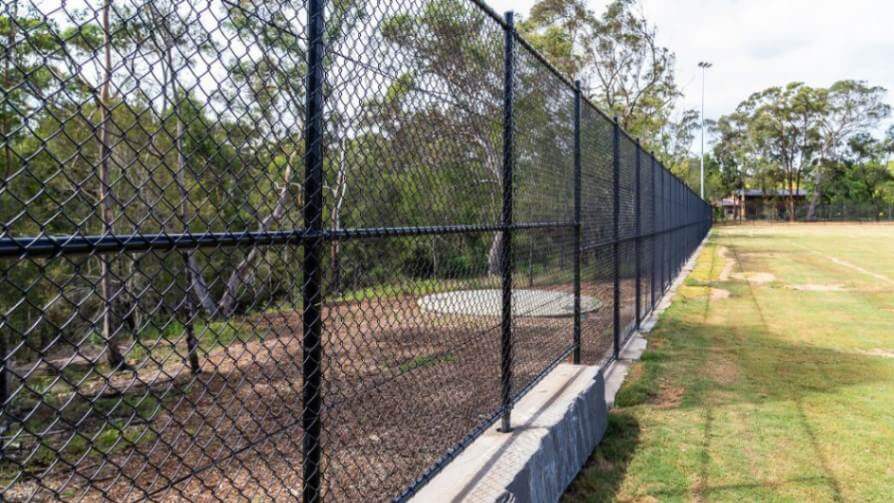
x=758, y=206
x=159, y=176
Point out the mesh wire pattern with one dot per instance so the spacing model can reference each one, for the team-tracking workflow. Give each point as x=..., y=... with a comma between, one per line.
x=224, y=222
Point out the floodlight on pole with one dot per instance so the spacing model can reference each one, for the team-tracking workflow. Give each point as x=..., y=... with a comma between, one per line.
x=704, y=65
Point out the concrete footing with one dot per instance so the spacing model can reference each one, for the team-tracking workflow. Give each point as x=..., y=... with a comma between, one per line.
x=556, y=427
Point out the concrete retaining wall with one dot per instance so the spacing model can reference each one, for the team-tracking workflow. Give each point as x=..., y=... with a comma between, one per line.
x=557, y=426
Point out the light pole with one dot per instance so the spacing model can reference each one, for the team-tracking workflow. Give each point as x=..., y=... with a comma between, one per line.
x=704, y=65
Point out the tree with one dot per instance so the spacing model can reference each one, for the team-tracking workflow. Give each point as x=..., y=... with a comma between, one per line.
x=861, y=177
x=738, y=162
x=782, y=135
x=455, y=85
x=675, y=140
x=849, y=108
x=778, y=133
x=617, y=58
x=106, y=197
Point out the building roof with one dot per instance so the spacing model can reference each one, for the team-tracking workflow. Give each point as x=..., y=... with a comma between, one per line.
x=772, y=193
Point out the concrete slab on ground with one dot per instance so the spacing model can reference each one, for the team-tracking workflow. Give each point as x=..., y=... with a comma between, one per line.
x=525, y=303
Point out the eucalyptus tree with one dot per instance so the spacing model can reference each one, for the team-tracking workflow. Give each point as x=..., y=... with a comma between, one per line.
x=617, y=57
x=443, y=109
x=675, y=139
x=71, y=143
x=850, y=107
x=777, y=132
x=266, y=92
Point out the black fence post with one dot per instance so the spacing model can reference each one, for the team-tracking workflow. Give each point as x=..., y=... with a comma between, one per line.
x=313, y=253
x=668, y=248
x=653, y=273
x=665, y=229
x=616, y=255
x=638, y=242
x=4, y=394
x=506, y=233
x=675, y=223
x=577, y=221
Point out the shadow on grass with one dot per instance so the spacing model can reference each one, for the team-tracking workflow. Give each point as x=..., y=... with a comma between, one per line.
x=601, y=477
x=748, y=363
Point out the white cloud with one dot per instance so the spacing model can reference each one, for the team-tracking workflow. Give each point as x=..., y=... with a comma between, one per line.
x=755, y=44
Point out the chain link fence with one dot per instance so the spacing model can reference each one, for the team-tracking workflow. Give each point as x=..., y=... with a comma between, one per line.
x=277, y=250
x=846, y=212
x=776, y=210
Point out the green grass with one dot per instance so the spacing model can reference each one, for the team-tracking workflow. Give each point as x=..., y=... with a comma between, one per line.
x=425, y=361
x=774, y=393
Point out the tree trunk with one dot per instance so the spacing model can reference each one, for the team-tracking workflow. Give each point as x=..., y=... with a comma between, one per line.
x=7, y=82
x=339, y=192
x=817, y=195
x=227, y=304
x=494, y=165
x=791, y=199
x=194, y=277
x=110, y=328
x=495, y=255
x=434, y=257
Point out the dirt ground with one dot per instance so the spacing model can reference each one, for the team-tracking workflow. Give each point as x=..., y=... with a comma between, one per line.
x=401, y=387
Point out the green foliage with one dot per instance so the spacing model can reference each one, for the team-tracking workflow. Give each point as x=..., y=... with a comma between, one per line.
x=424, y=150
x=619, y=62
x=421, y=362
x=798, y=136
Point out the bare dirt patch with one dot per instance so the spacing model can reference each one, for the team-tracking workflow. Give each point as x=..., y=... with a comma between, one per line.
x=669, y=397
x=811, y=287
x=719, y=293
x=884, y=353
x=755, y=277
x=392, y=373
x=728, y=263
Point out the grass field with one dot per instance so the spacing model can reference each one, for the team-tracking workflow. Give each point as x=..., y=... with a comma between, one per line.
x=770, y=378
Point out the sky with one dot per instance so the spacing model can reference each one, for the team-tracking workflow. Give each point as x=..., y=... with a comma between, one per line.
x=755, y=44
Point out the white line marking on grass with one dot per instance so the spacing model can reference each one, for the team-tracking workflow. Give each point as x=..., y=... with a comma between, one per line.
x=856, y=267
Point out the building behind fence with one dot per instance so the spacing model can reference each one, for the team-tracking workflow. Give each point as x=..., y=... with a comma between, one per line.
x=300, y=249
x=756, y=205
